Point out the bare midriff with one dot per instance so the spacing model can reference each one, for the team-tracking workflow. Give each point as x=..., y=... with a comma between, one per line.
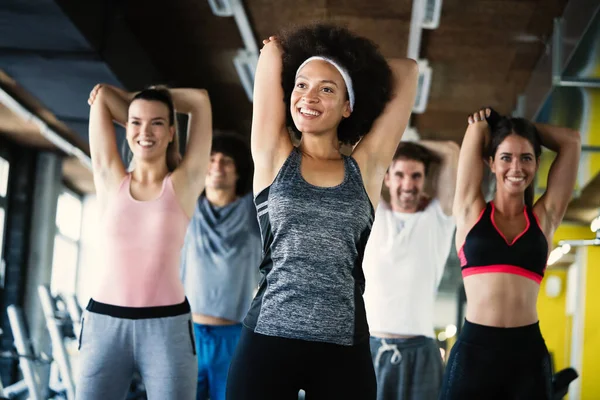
x=210, y=320
x=501, y=300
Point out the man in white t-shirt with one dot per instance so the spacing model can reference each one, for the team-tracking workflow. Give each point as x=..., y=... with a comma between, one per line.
x=404, y=262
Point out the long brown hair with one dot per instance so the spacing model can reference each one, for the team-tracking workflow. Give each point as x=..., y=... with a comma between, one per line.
x=162, y=95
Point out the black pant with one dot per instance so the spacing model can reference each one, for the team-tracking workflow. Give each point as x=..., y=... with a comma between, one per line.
x=275, y=368
x=498, y=363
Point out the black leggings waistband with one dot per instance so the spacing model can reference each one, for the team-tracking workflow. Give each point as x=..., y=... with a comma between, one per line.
x=527, y=336
x=139, y=312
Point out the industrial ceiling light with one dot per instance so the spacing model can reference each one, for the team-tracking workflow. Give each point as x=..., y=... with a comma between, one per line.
x=425, y=15
x=221, y=8
x=432, y=13
x=246, y=59
x=423, y=86
x=245, y=65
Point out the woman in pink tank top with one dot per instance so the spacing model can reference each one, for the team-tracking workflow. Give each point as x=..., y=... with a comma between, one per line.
x=138, y=320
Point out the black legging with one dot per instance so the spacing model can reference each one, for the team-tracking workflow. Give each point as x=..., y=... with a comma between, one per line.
x=498, y=363
x=274, y=368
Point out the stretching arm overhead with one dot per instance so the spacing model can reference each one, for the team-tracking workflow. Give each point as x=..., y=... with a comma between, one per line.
x=270, y=140
x=107, y=104
x=468, y=197
x=551, y=207
x=375, y=151
x=195, y=103
x=448, y=152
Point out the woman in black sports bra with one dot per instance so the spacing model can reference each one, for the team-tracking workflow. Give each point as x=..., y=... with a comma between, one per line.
x=503, y=248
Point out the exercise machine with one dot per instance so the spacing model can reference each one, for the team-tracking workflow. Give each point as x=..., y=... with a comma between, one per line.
x=57, y=323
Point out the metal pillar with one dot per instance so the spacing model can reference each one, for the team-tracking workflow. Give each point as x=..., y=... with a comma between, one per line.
x=48, y=176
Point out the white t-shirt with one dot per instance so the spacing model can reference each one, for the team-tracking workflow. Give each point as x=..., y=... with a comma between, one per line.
x=403, y=265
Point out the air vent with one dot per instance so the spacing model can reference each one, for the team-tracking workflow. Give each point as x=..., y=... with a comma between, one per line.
x=423, y=87
x=432, y=12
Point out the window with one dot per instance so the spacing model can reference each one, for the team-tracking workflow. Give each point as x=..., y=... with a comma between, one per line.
x=4, y=169
x=66, y=243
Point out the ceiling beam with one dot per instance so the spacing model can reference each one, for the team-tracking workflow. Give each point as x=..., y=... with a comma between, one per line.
x=577, y=17
x=102, y=24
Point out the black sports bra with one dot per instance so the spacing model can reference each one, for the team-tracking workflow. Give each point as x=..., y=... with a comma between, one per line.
x=486, y=250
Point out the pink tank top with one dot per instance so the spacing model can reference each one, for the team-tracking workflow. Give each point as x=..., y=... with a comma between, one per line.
x=142, y=244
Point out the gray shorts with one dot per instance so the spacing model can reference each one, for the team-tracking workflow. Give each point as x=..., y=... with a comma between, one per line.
x=157, y=342
x=407, y=369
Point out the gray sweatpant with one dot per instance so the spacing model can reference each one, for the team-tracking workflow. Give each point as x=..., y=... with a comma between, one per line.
x=407, y=369
x=161, y=349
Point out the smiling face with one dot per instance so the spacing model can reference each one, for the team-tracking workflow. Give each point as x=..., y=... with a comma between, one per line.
x=514, y=164
x=405, y=180
x=148, y=130
x=319, y=100
x=222, y=174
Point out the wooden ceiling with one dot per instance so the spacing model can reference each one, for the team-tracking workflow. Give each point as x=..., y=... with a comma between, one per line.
x=482, y=54
x=26, y=132
x=20, y=131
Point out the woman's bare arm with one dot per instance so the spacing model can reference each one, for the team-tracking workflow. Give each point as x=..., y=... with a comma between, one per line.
x=270, y=140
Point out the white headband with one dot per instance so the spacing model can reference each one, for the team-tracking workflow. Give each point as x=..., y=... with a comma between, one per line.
x=342, y=71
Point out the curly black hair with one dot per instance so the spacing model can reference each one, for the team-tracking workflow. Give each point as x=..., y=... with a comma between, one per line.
x=370, y=73
x=233, y=146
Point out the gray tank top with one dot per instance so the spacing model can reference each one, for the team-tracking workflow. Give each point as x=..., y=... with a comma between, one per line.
x=313, y=244
x=219, y=259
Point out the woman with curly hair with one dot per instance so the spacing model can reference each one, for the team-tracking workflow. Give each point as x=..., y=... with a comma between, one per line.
x=139, y=318
x=503, y=249
x=306, y=328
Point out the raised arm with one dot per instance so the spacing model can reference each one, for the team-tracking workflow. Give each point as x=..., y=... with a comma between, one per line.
x=270, y=141
x=107, y=104
x=375, y=151
x=446, y=180
x=551, y=207
x=468, y=197
x=195, y=103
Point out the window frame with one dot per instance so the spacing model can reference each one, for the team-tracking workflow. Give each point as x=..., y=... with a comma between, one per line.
x=58, y=234
x=4, y=204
